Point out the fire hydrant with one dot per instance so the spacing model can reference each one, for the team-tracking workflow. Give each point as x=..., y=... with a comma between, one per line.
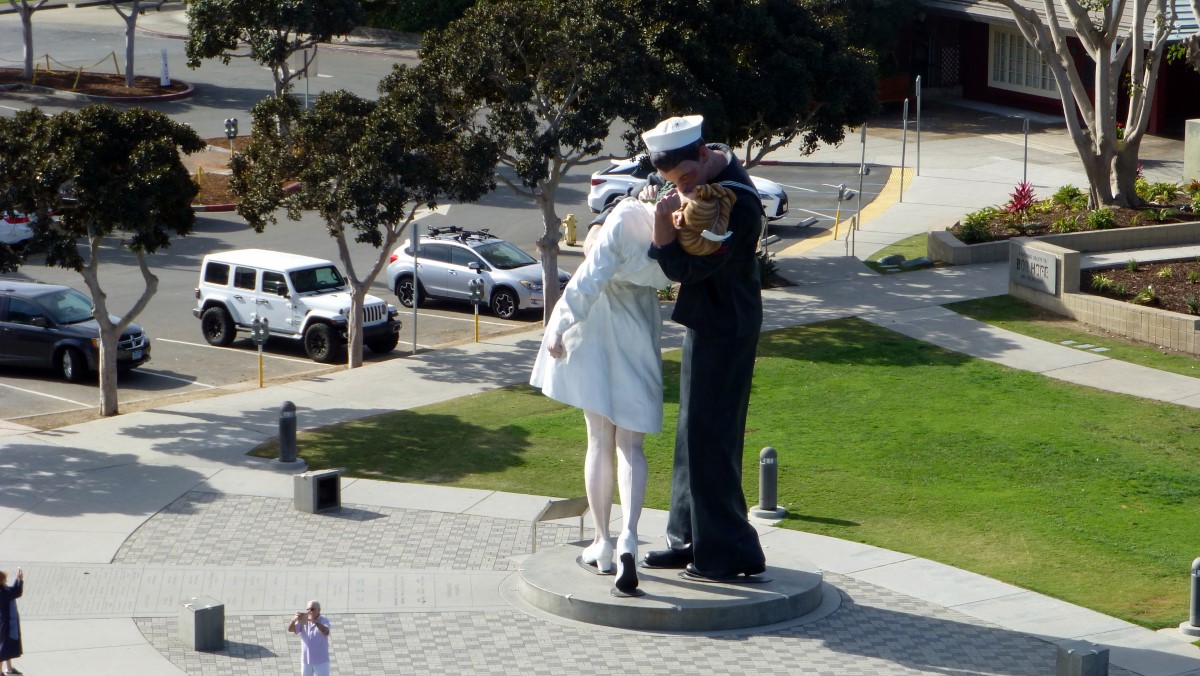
x=569, y=225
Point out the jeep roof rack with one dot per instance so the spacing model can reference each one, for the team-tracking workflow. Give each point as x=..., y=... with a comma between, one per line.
x=455, y=232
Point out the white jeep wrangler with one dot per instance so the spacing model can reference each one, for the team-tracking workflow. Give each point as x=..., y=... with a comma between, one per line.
x=299, y=297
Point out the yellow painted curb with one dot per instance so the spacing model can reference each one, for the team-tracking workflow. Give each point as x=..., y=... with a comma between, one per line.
x=886, y=198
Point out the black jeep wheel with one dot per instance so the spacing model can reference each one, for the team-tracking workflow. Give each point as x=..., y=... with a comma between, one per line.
x=72, y=365
x=404, y=291
x=217, y=326
x=384, y=344
x=504, y=303
x=322, y=344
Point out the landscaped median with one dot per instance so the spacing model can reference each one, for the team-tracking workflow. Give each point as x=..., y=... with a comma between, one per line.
x=1080, y=494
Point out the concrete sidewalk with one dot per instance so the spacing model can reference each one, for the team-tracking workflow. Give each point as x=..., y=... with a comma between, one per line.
x=116, y=521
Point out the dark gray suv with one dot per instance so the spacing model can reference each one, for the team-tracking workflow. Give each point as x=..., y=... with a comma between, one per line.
x=47, y=325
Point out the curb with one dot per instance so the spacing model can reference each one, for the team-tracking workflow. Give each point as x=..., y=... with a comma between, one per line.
x=37, y=89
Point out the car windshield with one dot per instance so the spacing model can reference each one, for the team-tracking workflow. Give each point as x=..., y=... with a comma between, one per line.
x=504, y=256
x=317, y=279
x=67, y=306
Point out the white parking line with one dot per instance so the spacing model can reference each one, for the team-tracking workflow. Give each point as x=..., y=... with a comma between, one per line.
x=49, y=396
x=796, y=187
x=233, y=349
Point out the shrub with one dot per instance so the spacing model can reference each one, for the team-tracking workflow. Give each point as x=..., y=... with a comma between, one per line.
x=1065, y=224
x=1136, y=219
x=1193, y=276
x=1158, y=192
x=1120, y=289
x=1193, y=305
x=1101, y=283
x=1196, y=204
x=1101, y=219
x=1070, y=197
x=1192, y=189
x=1132, y=265
x=1144, y=297
x=1166, y=272
x=976, y=226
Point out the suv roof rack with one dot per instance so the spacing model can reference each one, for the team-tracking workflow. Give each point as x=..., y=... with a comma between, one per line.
x=455, y=232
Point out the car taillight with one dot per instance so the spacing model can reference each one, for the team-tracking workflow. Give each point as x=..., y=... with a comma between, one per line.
x=598, y=181
x=392, y=258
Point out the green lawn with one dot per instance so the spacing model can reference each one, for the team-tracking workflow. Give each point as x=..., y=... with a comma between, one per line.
x=1083, y=495
x=1027, y=319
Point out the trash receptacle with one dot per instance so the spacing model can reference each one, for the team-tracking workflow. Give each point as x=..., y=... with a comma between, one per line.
x=318, y=490
x=202, y=623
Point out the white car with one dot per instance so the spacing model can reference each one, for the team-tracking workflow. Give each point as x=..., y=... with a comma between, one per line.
x=622, y=177
x=14, y=229
x=450, y=257
x=299, y=297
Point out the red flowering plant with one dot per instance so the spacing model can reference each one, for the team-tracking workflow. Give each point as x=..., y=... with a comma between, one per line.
x=1021, y=202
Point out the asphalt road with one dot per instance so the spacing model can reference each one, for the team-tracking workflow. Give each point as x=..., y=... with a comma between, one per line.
x=182, y=362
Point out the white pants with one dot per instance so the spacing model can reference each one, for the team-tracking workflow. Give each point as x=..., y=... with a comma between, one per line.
x=314, y=669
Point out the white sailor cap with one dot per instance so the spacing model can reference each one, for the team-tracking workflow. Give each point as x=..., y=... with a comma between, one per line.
x=674, y=132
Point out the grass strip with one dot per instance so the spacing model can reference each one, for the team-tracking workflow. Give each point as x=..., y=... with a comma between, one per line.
x=1030, y=320
x=1080, y=494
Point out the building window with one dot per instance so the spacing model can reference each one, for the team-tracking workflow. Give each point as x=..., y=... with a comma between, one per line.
x=1014, y=64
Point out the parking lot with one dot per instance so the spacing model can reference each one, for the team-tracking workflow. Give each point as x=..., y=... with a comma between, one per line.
x=184, y=365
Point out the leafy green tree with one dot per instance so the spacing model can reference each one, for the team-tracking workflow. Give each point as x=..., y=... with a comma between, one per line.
x=544, y=80
x=416, y=16
x=764, y=74
x=116, y=180
x=25, y=10
x=366, y=167
x=1109, y=155
x=268, y=32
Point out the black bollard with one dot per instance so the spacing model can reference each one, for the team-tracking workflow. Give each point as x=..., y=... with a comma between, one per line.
x=768, y=479
x=287, y=432
x=1194, y=615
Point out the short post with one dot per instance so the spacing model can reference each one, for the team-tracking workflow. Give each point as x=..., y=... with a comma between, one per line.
x=287, y=432
x=1192, y=626
x=768, y=486
x=202, y=623
x=1081, y=659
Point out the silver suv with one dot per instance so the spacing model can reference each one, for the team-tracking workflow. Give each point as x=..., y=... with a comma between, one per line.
x=450, y=257
x=301, y=298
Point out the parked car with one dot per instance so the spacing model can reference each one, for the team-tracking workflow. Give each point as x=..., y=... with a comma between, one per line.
x=300, y=298
x=48, y=325
x=450, y=257
x=624, y=177
x=14, y=229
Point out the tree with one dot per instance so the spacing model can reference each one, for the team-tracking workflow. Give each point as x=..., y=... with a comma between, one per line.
x=366, y=167
x=763, y=74
x=25, y=11
x=271, y=30
x=114, y=177
x=544, y=80
x=130, y=18
x=1109, y=154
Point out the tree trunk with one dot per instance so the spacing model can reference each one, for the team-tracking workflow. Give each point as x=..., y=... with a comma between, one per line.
x=354, y=325
x=547, y=247
x=108, y=367
x=27, y=27
x=130, y=32
x=1125, y=168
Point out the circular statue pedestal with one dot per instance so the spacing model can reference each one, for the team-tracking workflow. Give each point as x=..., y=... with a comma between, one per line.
x=552, y=581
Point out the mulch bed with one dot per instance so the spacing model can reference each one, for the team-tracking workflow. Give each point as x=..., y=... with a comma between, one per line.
x=93, y=84
x=1173, y=285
